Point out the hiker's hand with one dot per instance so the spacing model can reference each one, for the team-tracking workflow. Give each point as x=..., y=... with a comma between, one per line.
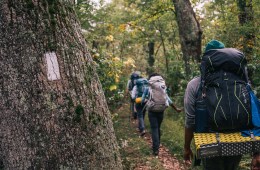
x=178, y=110
x=188, y=155
x=126, y=94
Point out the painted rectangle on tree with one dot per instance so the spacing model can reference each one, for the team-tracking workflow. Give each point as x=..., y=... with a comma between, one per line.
x=53, y=71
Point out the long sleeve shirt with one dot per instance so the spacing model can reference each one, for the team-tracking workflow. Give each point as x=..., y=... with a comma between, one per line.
x=128, y=84
x=189, y=102
x=134, y=92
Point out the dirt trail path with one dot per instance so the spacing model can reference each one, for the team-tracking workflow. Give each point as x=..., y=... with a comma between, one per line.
x=169, y=162
x=166, y=160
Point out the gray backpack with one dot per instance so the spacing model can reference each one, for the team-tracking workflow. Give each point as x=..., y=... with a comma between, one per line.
x=157, y=101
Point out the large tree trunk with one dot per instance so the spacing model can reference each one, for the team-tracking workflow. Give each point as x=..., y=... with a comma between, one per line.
x=53, y=113
x=189, y=31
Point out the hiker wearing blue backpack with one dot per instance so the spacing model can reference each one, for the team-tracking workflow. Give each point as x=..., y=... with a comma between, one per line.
x=130, y=85
x=136, y=95
x=156, y=99
x=217, y=101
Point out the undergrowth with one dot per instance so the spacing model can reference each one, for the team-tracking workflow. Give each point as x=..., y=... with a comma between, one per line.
x=135, y=150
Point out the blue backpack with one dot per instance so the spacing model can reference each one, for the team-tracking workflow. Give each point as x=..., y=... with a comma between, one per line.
x=141, y=84
x=255, y=111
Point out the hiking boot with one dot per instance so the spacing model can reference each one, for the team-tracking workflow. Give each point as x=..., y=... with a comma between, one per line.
x=135, y=115
x=156, y=153
x=142, y=133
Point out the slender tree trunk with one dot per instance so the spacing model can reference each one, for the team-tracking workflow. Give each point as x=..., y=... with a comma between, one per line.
x=151, y=59
x=164, y=51
x=189, y=31
x=53, y=110
x=246, y=19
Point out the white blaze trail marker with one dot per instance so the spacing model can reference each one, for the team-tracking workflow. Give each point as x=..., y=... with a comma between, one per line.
x=53, y=71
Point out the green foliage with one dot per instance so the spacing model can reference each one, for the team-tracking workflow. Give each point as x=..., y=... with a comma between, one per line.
x=112, y=48
x=109, y=70
x=118, y=33
x=173, y=135
x=221, y=21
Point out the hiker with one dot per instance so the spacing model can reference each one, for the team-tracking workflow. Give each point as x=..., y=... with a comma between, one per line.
x=136, y=95
x=130, y=85
x=190, y=98
x=157, y=101
x=255, y=163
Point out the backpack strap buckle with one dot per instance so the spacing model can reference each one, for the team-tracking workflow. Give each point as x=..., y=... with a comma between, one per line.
x=204, y=92
x=252, y=136
x=217, y=137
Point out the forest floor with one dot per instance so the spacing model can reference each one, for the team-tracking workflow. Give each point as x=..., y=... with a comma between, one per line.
x=136, y=151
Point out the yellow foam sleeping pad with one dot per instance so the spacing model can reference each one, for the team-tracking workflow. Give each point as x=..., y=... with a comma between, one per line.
x=224, y=144
x=138, y=100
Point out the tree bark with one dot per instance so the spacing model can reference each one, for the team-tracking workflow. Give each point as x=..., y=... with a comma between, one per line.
x=53, y=113
x=246, y=19
x=165, y=53
x=189, y=32
x=151, y=59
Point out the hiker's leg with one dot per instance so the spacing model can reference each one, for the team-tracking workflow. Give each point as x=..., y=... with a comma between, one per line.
x=233, y=162
x=143, y=124
x=154, y=128
x=132, y=109
x=135, y=112
x=139, y=110
x=215, y=163
x=159, y=119
x=223, y=163
x=144, y=110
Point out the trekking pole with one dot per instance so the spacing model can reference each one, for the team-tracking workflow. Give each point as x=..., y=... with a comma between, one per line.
x=130, y=113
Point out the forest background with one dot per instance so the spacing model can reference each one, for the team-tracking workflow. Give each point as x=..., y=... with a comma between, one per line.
x=126, y=35
x=119, y=35
x=58, y=90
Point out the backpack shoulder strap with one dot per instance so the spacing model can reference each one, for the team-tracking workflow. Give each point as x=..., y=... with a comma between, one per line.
x=202, y=76
x=246, y=75
x=150, y=93
x=199, y=91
